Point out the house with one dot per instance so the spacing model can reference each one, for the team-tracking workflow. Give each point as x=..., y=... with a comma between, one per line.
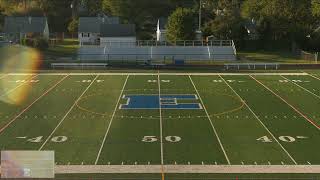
x=18, y=28
x=161, y=29
x=121, y=35
x=90, y=28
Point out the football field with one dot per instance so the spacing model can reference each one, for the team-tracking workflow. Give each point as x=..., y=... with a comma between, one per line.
x=163, y=118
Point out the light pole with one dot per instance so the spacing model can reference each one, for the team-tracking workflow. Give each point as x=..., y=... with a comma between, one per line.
x=200, y=13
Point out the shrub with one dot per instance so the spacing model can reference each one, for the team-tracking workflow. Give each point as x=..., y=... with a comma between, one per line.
x=40, y=43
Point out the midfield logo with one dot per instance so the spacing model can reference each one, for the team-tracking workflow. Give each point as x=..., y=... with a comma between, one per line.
x=165, y=101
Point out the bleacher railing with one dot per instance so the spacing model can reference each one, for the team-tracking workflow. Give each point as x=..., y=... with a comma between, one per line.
x=147, y=43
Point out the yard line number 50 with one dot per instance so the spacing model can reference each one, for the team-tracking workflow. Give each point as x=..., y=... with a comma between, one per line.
x=151, y=139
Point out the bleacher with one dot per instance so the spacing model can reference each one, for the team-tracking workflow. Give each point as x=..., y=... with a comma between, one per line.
x=217, y=51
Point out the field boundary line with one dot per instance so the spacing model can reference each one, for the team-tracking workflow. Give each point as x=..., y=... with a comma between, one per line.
x=65, y=116
x=171, y=74
x=301, y=87
x=36, y=100
x=209, y=118
x=294, y=108
x=263, y=125
x=15, y=88
x=112, y=117
x=187, y=169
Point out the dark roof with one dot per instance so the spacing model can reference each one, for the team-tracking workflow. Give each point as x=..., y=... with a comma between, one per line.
x=118, y=30
x=25, y=24
x=93, y=24
x=162, y=22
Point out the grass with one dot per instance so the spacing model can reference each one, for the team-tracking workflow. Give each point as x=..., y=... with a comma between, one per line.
x=262, y=119
x=271, y=57
x=66, y=48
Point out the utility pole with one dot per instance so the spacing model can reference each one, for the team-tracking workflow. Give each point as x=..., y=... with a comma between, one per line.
x=200, y=13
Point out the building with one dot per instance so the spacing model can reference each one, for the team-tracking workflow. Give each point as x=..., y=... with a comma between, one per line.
x=161, y=29
x=90, y=28
x=18, y=28
x=120, y=35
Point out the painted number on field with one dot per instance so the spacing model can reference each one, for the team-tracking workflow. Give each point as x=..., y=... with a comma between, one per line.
x=89, y=81
x=150, y=139
x=56, y=139
x=155, y=81
x=290, y=139
x=26, y=81
x=229, y=81
x=293, y=80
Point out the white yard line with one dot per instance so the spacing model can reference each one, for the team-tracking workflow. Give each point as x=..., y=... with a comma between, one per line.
x=186, y=169
x=255, y=115
x=301, y=87
x=112, y=117
x=11, y=90
x=30, y=105
x=160, y=113
x=3, y=76
x=65, y=116
x=209, y=118
x=290, y=105
x=312, y=75
x=168, y=74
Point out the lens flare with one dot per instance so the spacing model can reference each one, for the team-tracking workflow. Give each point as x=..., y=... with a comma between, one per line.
x=16, y=59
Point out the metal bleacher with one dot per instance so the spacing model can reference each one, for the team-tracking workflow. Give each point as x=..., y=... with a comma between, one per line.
x=151, y=50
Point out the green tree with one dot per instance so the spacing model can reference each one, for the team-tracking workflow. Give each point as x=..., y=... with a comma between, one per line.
x=316, y=8
x=73, y=26
x=181, y=25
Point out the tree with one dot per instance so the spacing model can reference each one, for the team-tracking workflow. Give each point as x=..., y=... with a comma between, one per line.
x=316, y=8
x=227, y=23
x=73, y=26
x=281, y=19
x=181, y=25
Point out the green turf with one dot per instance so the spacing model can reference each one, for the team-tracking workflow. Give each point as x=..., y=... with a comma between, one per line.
x=80, y=119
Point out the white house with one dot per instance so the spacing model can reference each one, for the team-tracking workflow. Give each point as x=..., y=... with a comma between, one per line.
x=90, y=28
x=118, y=35
x=161, y=29
x=18, y=28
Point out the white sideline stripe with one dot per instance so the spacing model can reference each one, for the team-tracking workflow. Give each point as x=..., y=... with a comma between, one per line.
x=255, y=115
x=209, y=118
x=301, y=87
x=114, y=112
x=160, y=114
x=225, y=169
x=65, y=116
x=168, y=74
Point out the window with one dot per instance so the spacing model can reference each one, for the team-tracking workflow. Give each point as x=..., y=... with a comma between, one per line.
x=85, y=34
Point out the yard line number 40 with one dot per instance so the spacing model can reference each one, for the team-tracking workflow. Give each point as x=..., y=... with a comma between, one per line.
x=56, y=139
x=289, y=139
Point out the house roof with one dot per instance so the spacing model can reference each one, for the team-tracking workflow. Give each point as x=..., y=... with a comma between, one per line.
x=162, y=22
x=93, y=24
x=25, y=24
x=118, y=30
